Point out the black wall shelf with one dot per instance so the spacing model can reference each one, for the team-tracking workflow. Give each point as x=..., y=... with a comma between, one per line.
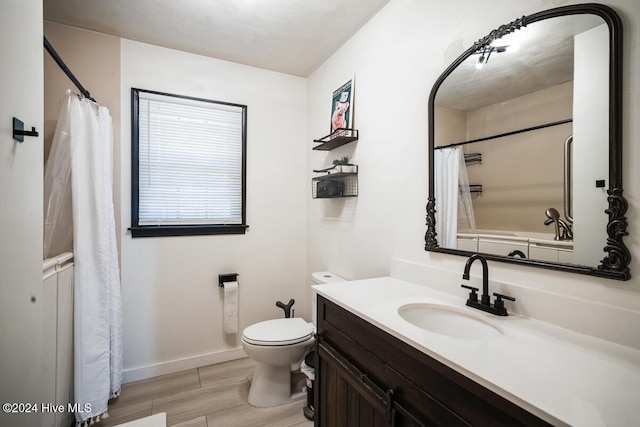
x=340, y=184
x=336, y=139
x=335, y=185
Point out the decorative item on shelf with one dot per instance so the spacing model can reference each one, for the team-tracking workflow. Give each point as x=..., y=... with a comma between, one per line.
x=342, y=165
x=342, y=109
x=329, y=188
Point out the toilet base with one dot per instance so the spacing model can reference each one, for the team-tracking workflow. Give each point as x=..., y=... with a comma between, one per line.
x=275, y=386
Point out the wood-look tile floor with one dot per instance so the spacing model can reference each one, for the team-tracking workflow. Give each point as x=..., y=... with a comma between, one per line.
x=211, y=396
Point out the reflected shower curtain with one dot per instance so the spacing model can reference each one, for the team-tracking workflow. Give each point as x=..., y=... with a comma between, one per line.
x=453, y=198
x=84, y=141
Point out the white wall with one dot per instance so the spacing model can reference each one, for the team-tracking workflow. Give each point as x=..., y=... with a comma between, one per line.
x=590, y=112
x=21, y=172
x=396, y=58
x=513, y=163
x=172, y=302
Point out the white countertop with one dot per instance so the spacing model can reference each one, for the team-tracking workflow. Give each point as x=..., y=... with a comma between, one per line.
x=561, y=376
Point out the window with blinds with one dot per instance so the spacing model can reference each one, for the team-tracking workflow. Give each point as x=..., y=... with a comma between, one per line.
x=188, y=165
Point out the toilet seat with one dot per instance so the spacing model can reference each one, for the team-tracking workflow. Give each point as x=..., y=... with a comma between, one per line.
x=278, y=332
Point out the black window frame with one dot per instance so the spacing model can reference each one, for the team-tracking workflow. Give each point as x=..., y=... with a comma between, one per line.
x=138, y=230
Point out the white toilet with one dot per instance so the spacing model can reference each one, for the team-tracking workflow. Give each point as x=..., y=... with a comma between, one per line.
x=276, y=345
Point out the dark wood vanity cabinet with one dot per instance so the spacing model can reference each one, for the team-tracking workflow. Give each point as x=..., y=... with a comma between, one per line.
x=366, y=377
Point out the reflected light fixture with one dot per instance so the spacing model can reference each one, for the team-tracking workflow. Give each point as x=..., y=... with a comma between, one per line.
x=480, y=61
x=488, y=50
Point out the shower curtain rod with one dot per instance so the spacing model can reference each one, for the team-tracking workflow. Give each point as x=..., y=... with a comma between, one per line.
x=515, y=132
x=66, y=69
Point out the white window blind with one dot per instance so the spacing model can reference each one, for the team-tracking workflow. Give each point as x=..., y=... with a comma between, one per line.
x=190, y=161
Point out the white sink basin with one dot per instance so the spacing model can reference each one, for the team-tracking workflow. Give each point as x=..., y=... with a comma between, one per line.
x=450, y=321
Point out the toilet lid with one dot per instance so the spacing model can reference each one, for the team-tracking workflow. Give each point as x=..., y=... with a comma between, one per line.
x=278, y=332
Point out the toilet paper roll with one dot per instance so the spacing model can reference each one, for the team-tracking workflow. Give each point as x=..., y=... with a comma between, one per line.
x=231, y=307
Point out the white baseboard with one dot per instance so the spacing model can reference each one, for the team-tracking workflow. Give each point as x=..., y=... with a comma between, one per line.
x=150, y=371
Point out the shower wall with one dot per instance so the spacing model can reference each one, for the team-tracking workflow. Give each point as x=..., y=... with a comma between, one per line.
x=94, y=59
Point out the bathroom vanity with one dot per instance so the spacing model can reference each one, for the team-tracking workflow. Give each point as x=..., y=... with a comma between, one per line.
x=376, y=368
x=367, y=377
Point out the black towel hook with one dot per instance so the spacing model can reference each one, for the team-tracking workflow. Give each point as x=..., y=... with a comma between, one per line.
x=18, y=130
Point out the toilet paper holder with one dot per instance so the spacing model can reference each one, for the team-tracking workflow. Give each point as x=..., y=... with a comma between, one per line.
x=228, y=277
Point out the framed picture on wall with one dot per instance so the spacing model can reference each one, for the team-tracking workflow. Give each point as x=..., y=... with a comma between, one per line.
x=342, y=109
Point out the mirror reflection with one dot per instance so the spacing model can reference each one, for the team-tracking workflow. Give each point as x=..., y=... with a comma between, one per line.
x=521, y=145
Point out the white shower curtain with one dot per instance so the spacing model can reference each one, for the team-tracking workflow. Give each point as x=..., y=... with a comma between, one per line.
x=84, y=138
x=453, y=198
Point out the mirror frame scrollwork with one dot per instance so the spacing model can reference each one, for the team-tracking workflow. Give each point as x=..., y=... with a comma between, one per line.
x=615, y=264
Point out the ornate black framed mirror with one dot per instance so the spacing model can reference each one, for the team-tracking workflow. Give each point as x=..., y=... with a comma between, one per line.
x=520, y=129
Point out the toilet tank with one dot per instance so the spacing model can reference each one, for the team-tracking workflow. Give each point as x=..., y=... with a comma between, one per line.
x=321, y=278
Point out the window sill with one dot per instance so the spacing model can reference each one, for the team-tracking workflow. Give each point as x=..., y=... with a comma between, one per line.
x=186, y=230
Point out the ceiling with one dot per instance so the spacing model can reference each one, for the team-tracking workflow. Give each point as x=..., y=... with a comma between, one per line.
x=545, y=59
x=288, y=36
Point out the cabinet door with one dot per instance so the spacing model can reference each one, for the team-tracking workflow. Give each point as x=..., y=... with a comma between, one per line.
x=347, y=397
x=344, y=397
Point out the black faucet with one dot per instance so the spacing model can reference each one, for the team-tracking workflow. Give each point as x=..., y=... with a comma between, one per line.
x=516, y=253
x=484, y=304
